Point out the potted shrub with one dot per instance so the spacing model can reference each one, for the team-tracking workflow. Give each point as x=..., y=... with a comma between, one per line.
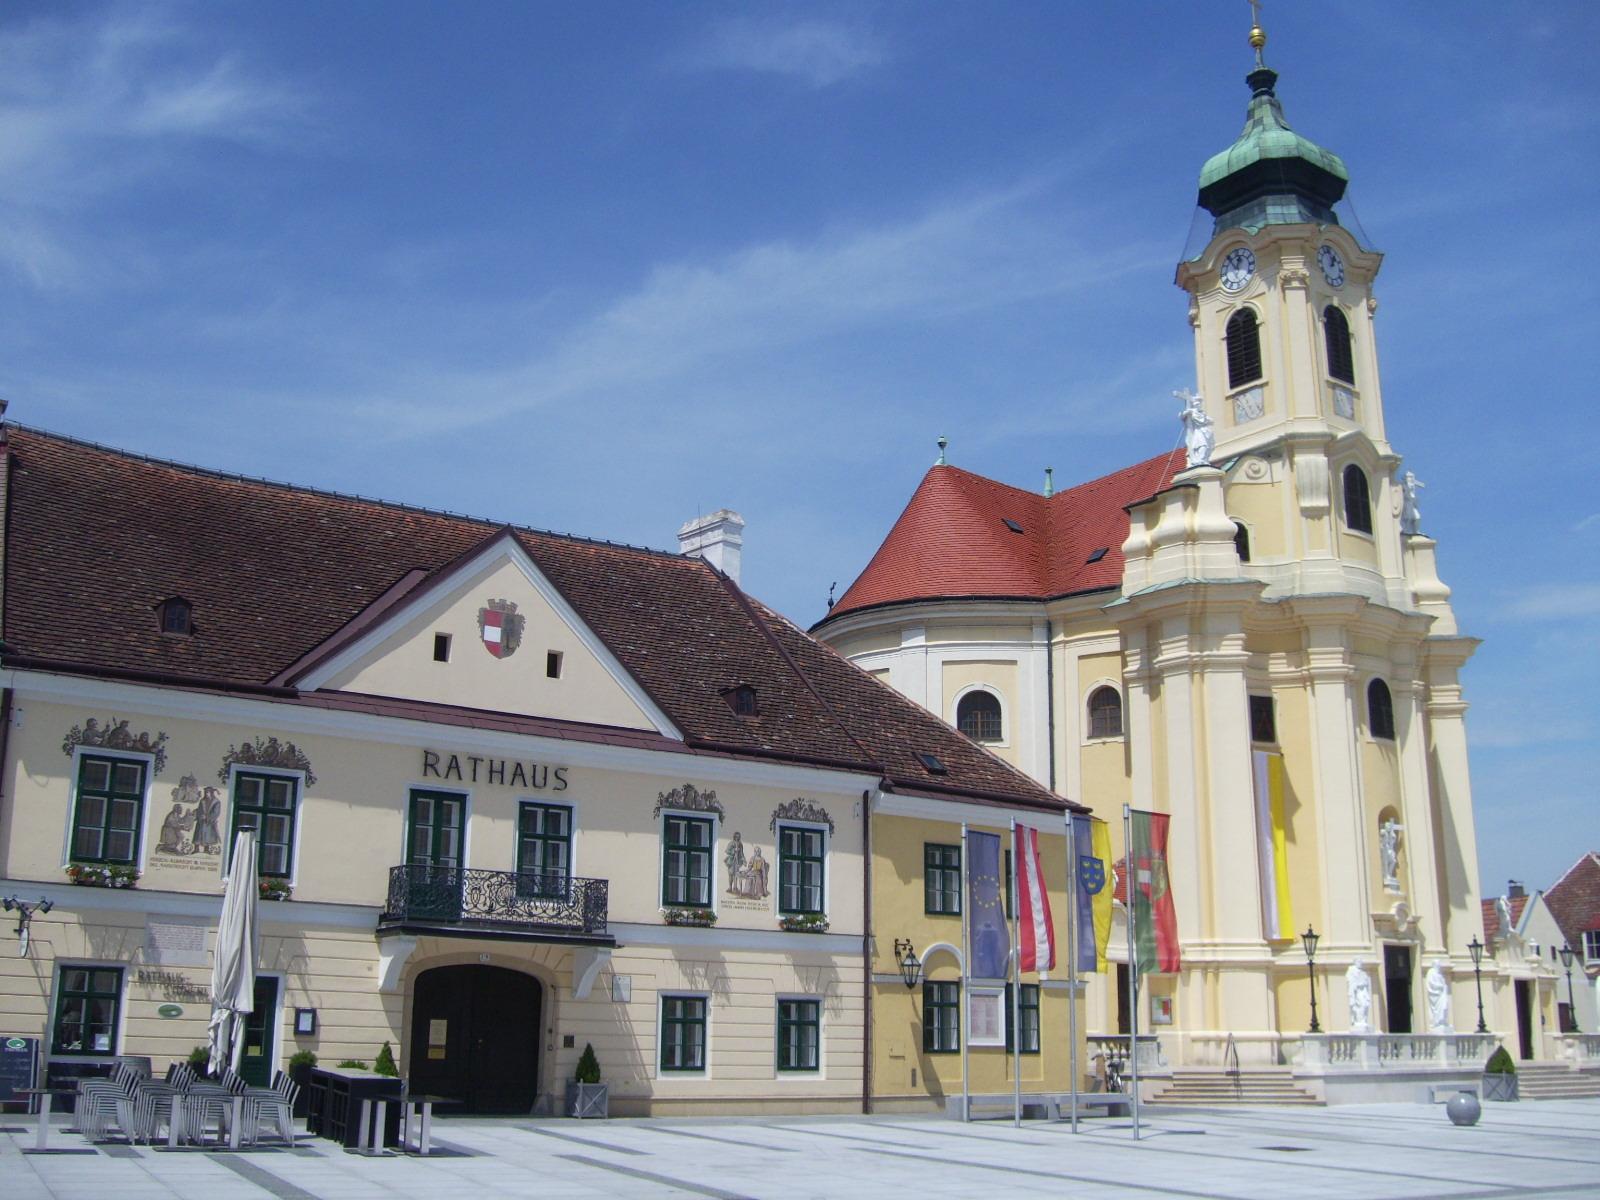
x=586, y=1095
x=272, y=887
x=384, y=1063
x=702, y=917
x=300, y=1064
x=1500, y=1076
x=200, y=1060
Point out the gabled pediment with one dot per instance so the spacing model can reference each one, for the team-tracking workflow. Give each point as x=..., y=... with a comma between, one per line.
x=488, y=632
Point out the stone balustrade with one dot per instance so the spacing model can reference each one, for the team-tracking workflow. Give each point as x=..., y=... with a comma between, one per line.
x=1326, y=1053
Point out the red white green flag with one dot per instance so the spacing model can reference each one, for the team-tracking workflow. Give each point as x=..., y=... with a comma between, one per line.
x=1155, y=920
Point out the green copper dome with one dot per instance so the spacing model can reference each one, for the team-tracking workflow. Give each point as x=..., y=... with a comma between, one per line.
x=1271, y=175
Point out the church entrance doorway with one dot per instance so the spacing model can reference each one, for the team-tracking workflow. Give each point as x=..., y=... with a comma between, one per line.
x=1397, y=987
x=475, y=1034
x=1525, y=1019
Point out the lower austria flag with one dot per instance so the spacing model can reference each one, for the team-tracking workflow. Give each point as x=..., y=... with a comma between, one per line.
x=1035, y=930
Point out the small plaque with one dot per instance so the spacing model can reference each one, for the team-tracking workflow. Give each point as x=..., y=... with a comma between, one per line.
x=169, y=1012
x=437, y=1029
x=176, y=943
x=435, y=1052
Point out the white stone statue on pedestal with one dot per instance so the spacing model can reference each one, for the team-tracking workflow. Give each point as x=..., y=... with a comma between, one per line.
x=1438, y=989
x=1410, y=514
x=1358, y=985
x=1199, y=436
x=1389, y=847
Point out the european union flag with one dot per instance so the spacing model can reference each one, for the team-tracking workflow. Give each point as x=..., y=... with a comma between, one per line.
x=989, y=940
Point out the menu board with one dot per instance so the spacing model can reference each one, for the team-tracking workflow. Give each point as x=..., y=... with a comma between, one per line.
x=19, y=1067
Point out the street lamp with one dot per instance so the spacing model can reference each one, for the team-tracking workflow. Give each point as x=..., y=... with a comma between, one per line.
x=25, y=915
x=1309, y=939
x=1475, y=947
x=910, y=965
x=1572, y=1011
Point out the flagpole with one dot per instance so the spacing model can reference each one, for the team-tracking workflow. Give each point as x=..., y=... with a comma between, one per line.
x=1072, y=964
x=963, y=1021
x=1016, y=985
x=1130, y=884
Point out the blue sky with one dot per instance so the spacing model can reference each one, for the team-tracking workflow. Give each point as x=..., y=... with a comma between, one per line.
x=598, y=267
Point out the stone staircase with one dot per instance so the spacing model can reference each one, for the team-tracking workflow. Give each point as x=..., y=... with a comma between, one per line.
x=1556, y=1081
x=1209, y=1086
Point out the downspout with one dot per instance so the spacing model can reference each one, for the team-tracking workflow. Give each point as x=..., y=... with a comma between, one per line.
x=5, y=739
x=1050, y=698
x=866, y=950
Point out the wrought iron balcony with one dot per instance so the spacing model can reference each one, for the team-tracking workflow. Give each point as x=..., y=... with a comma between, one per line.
x=506, y=901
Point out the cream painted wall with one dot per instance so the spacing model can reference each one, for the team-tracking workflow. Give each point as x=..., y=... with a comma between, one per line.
x=990, y=675
x=351, y=823
x=403, y=664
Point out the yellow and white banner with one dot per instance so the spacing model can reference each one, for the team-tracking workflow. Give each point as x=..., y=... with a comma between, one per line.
x=1271, y=787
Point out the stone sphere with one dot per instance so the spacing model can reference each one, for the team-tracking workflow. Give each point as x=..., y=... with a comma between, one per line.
x=1464, y=1109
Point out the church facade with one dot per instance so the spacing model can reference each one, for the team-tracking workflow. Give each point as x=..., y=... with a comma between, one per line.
x=1250, y=635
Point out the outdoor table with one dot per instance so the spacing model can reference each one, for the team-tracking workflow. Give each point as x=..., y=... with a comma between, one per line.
x=47, y=1097
x=422, y=1108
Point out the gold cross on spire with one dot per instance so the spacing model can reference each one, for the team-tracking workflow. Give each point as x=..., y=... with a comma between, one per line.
x=1258, y=35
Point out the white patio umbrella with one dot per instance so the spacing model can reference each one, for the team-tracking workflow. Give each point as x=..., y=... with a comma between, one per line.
x=233, y=969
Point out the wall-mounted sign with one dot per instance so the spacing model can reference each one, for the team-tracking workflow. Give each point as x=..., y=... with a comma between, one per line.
x=168, y=1012
x=498, y=772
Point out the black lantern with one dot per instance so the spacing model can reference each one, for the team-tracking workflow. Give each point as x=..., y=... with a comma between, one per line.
x=1572, y=1011
x=1475, y=948
x=910, y=964
x=1309, y=939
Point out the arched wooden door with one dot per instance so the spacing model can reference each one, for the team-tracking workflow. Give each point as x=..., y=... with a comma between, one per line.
x=475, y=1034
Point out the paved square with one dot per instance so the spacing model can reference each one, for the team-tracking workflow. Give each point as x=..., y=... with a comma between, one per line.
x=1372, y=1151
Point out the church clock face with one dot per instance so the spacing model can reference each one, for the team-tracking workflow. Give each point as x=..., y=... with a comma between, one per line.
x=1332, y=266
x=1237, y=269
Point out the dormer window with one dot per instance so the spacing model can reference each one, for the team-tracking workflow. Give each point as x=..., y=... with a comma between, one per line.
x=1244, y=348
x=176, y=616
x=1336, y=332
x=742, y=700
x=931, y=764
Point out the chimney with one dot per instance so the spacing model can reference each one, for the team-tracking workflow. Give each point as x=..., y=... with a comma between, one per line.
x=718, y=538
x=1515, y=890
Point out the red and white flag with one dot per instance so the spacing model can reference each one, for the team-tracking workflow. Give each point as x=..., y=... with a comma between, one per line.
x=1035, y=930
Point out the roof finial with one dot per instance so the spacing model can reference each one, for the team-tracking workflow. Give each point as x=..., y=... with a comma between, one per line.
x=1258, y=35
x=1049, y=482
x=943, y=442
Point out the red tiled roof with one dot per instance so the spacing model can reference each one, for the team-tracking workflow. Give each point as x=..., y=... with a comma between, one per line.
x=952, y=540
x=1574, y=900
x=96, y=539
x=1491, y=916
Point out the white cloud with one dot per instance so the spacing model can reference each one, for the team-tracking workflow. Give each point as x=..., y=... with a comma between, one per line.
x=1592, y=521
x=688, y=319
x=816, y=52
x=91, y=109
x=1557, y=602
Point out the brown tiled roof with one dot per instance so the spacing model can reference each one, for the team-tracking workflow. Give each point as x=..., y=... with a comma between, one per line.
x=97, y=538
x=1574, y=901
x=952, y=540
x=1491, y=916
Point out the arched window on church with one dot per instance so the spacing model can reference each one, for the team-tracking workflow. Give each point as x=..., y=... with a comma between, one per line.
x=1341, y=359
x=1357, y=500
x=978, y=716
x=1241, y=541
x=1244, y=348
x=1105, y=713
x=1380, y=710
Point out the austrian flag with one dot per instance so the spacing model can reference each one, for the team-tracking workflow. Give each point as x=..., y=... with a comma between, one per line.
x=1035, y=931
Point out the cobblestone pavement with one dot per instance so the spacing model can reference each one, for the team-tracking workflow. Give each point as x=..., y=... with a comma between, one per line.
x=1534, y=1148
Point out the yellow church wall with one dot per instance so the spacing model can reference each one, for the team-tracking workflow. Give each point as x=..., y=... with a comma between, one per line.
x=403, y=663
x=1380, y=784
x=1261, y=508
x=1358, y=547
x=874, y=640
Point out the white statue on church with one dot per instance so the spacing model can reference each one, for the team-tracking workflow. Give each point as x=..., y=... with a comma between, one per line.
x=1389, y=847
x=1358, y=985
x=1438, y=989
x=1199, y=436
x=1410, y=514
x=1502, y=910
